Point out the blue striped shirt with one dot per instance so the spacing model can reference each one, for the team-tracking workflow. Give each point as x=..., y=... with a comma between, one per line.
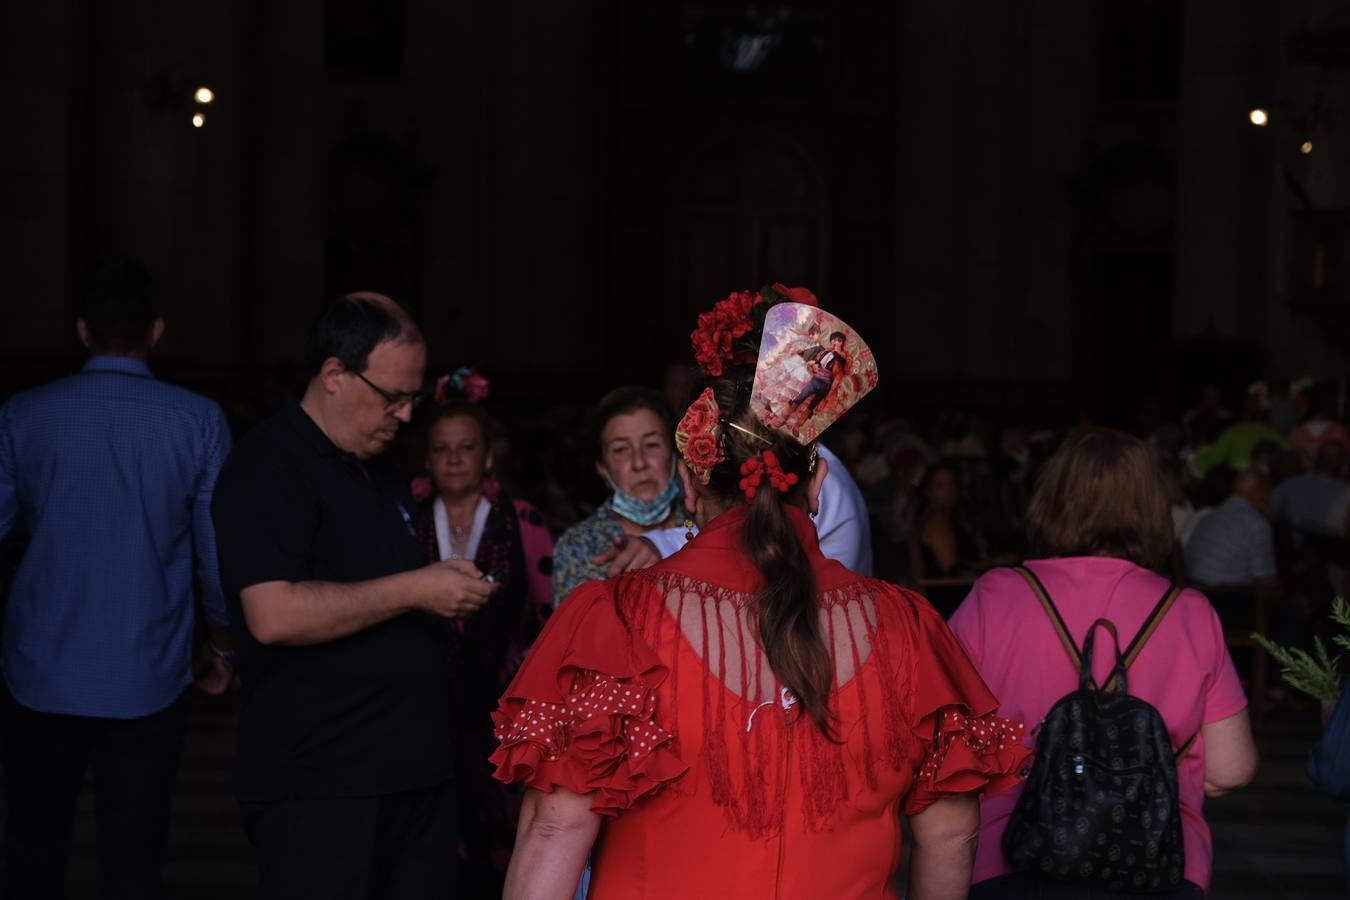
x=1232, y=545
x=111, y=472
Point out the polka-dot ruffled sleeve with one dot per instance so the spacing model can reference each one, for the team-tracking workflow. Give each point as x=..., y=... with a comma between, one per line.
x=961, y=745
x=582, y=713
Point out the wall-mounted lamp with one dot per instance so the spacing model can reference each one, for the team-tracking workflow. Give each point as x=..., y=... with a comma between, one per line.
x=171, y=91
x=1258, y=117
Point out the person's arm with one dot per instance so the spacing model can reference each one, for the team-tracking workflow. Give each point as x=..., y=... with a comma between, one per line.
x=216, y=444
x=945, y=837
x=555, y=833
x=667, y=541
x=629, y=552
x=9, y=500
x=312, y=612
x=1329, y=759
x=1230, y=754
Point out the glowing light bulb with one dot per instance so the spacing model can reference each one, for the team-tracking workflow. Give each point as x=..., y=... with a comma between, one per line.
x=1259, y=117
x=204, y=95
x=198, y=119
x=1305, y=148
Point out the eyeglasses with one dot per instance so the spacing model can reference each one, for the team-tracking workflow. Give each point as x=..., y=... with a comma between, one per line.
x=393, y=402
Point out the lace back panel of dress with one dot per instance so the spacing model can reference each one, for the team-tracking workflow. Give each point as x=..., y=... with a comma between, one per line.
x=754, y=735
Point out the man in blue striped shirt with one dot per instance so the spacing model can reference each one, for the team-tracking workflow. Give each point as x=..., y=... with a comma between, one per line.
x=110, y=473
x=1235, y=544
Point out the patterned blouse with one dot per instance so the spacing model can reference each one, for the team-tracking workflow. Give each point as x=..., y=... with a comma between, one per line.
x=579, y=545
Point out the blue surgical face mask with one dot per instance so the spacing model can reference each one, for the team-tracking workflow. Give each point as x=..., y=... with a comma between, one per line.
x=646, y=512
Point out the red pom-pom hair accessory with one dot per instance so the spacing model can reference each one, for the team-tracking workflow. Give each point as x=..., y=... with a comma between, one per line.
x=696, y=436
x=756, y=467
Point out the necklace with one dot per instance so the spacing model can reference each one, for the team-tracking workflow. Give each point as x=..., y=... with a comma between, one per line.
x=460, y=533
x=457, y=540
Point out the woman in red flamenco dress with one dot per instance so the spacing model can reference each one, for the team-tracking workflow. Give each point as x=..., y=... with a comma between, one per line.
x=748, y=718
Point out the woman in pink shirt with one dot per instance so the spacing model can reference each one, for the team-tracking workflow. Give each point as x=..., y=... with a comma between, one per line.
x=1098, y=521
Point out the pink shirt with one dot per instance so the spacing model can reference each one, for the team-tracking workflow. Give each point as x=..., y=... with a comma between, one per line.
x=1184, y=671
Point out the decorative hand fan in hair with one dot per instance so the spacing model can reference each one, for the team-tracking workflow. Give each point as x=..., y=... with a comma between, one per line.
x=812, y=369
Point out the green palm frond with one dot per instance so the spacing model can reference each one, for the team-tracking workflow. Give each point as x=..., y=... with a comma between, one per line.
x=1317, y=673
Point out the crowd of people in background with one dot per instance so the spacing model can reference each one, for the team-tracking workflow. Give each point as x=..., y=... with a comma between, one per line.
x=511, y=512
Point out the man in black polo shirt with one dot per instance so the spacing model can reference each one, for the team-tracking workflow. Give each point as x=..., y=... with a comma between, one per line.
x=343, y=764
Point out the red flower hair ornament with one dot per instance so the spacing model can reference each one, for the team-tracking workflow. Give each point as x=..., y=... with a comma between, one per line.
x=696, y=436
x=729, y=332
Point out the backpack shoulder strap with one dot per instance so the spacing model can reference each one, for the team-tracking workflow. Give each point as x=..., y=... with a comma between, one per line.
x=1146, y=630
x=1151, y=624
x=1050, y=610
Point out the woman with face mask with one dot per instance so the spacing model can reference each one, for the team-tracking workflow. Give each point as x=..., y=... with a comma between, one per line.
x=635, y=457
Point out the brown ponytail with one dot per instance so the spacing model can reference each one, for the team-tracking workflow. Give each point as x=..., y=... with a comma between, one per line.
x=785, y=611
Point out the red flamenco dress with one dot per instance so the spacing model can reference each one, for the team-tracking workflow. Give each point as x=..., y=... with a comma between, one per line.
x=650, y=690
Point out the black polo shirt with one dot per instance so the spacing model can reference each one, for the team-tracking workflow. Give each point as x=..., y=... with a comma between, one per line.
x=363, y=715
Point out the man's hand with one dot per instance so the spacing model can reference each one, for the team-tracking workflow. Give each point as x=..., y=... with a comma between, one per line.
x=213, y=662
x=213, y=673
x=459, y=589
x=628, y=552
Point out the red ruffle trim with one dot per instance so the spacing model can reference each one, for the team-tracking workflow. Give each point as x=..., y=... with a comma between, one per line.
x=603, y=737
x=968, y=754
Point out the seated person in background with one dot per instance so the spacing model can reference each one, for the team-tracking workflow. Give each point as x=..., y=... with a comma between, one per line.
x=1320, y=428
x=1235, y=543
x=944, y=544
x=1316, y=507
x=1209, y=418
x=1317, y=501
x=1235, y=446
x=1185, y=515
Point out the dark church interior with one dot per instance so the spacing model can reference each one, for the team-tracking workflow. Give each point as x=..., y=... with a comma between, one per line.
x=1044, y=215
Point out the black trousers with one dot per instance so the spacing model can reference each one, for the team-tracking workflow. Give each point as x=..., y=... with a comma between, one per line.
x=44, y=757
x=391, y=847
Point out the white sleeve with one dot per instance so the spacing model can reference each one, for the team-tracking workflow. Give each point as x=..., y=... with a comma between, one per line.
x=842, y=525
x=666, y=540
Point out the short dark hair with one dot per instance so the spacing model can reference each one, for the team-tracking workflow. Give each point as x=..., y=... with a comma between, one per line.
x=118, y=306
x=838, y=336
x=1101, y=494
x=350, y=327
x=624, y=400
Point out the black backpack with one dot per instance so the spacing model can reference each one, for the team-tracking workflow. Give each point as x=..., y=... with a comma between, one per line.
x=1100, y=806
